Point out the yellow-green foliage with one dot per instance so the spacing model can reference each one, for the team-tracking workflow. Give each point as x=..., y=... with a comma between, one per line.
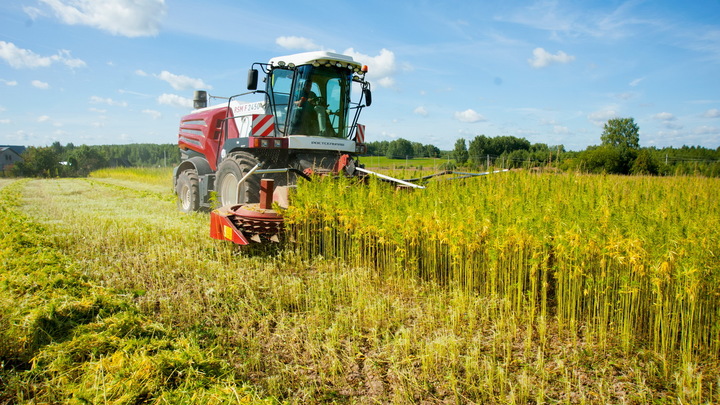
x=151, y=175
x=634, y=257
x=64, y=339
x=512, y=288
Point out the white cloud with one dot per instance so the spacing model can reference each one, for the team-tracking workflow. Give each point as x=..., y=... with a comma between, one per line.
x=134, y=93
x=154, y=114
x=542, y=58
x=469, y=115
x=561, y=130
x=385, y=82
x=9, y=82
x=180, y=82
x=601, y=117
x=23, y=58
x=175, y=101
x=108, y=101
x=43, y=118
x=381, y=68
x=664, y=116
x=669, y=120
x=706, y=130
x=712, y=113
x=130, y=18
x=421, y=111
x=97, y=110
x=40, y=85
x=64, y=57
x=141, y=73
x=33, y=12
x=5, y=121
x=635, y=82
x=299, y=43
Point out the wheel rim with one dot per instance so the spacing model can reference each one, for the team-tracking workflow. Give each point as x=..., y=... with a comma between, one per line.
x=185, y=197
x=230, y=194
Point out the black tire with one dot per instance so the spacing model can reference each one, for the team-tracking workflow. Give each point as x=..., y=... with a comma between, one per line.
x=187, y=189
x=229, y=173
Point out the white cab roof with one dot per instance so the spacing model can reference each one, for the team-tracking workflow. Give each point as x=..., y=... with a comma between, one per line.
x=321, y=57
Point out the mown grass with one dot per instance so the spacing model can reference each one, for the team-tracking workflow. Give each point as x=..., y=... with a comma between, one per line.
x=319, y=323
x=159, y=176
x=66, y=339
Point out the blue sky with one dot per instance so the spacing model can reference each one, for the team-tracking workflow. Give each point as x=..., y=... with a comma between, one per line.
x=123, y=71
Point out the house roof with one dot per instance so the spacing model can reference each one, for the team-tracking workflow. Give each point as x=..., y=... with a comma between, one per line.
x=15, y=148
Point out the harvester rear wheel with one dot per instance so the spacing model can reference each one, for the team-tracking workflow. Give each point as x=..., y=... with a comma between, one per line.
x=229, y=173
x=187, y=191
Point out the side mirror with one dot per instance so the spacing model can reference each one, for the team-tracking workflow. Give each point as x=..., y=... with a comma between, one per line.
x=252, y=79
x=368, y=97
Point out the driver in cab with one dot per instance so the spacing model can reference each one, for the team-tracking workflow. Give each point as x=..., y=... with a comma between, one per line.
x=311, y=113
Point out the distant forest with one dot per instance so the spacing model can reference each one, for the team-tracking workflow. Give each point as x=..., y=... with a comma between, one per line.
x=480, y=153
x=70, y=160
x=509, y=152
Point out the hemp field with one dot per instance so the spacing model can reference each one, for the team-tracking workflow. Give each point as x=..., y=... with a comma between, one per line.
x=514, y=288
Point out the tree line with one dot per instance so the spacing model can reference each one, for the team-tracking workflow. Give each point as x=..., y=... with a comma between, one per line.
x=619, y=152
x=402, y=149
x=69, y=160
x=504, y=151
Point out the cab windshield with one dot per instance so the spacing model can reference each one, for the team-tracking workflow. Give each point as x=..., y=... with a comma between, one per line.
x=311, y=100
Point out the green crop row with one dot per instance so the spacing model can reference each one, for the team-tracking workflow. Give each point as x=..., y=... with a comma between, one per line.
x=606, y=256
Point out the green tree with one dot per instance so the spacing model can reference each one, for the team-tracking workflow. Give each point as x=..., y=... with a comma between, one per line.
x=460, y=153
x=377, y=148
x=622, y=133
x=432, y=151
x=603, y=159
x=478, y=148
x=517, y=158
x=418, y=149
x=399, y=149
x=620, y=144
x=645, y=163
x=38, y=162
x=85, y=159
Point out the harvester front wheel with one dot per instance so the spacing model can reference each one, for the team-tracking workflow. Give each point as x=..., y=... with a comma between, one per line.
x=230, y=172
x=187, y=191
